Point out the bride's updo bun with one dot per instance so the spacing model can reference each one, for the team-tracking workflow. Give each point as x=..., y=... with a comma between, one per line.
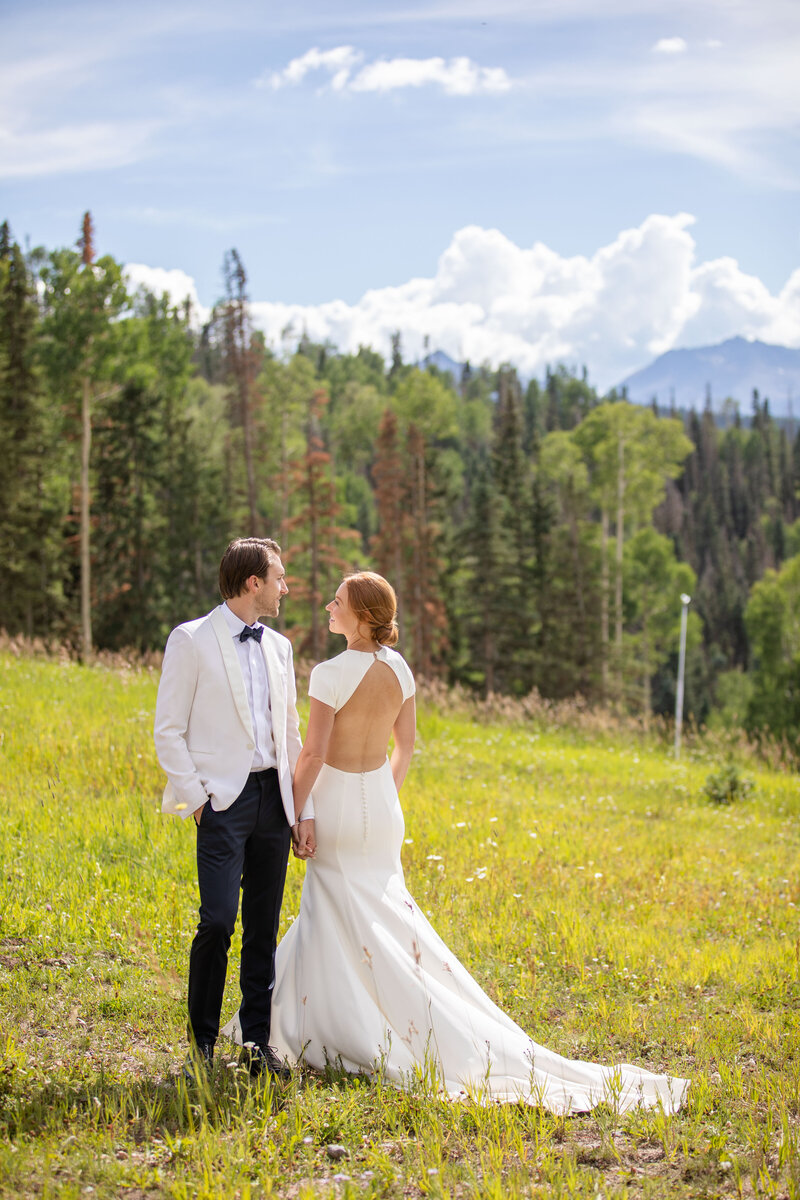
x=374, y=604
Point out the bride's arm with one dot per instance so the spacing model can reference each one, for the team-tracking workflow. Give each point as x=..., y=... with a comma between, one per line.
x=312, y=756
x=404, y=733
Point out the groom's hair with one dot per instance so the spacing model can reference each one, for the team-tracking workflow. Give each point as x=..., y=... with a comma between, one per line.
x=243, y=558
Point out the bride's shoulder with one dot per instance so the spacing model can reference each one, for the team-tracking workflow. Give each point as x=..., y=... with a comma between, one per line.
x=402, y=670
x=330, y=662
x=322, y=684
x=329, y=667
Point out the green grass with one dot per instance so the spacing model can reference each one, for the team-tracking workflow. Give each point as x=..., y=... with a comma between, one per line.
x=585, y=880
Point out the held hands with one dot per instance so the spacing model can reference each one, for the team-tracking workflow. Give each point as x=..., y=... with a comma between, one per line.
x=304, y=842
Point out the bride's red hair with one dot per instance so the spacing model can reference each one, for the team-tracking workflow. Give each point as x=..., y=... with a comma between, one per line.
x=374, y=604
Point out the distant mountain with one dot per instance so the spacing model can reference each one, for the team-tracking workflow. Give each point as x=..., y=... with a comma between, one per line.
x=730, y=370
x=443, y=362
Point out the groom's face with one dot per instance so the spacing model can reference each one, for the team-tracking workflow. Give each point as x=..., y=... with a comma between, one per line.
x=272, y=590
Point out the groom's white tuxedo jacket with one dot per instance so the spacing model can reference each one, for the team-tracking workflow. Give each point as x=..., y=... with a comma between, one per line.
x=203, y=728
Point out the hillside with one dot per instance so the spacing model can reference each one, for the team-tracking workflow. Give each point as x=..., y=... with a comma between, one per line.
x=586, y=881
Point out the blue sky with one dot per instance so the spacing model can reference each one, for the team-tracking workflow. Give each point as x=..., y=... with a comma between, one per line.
x=524, y=180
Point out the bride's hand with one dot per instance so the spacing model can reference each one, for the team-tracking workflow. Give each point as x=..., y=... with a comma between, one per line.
x=304, y=842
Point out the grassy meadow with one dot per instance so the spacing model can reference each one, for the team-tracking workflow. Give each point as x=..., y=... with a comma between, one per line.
x=584, y=879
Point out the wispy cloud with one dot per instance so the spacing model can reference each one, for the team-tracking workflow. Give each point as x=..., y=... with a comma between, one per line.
x=72, y=148
x=347, y=70
x=670, y=45
x=226, y=222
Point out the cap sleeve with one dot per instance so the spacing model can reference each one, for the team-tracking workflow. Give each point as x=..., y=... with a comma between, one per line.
x=322, y=684
x=405, y=677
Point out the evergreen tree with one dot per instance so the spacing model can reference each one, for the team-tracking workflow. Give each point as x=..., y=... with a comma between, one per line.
x=390, y=542
x=82, y=296
x=424, y=605
x=569, y=653
x=32, y=491
x=321, y=547
x=512, y=484
x=146, y=545
x=773, y=625
x=243, y=352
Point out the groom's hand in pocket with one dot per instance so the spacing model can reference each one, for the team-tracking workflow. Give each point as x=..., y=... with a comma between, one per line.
x=197, y=814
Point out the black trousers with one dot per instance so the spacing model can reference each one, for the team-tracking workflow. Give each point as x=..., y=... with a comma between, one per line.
x=245, y=846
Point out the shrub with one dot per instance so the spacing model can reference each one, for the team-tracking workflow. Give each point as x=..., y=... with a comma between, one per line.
x=727, y=784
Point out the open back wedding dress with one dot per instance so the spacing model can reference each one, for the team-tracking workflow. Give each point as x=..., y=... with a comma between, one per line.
x=362, y=978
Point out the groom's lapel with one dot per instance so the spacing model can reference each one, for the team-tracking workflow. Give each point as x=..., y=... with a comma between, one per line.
x=233, y=670
x=277, y=687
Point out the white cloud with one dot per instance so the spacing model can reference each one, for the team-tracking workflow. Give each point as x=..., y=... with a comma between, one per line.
x=730, y=302
x=491, y=300
x=338, y=62
x=175, y=283
x=457, y=77
x=670, y=45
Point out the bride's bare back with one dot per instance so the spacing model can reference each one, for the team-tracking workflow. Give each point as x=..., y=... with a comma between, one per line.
x=363, y=726
x=357, y=702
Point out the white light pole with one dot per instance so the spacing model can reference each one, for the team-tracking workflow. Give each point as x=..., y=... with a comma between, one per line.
x=685, y=602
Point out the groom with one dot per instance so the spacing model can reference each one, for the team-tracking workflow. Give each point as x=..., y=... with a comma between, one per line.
x=227, y=738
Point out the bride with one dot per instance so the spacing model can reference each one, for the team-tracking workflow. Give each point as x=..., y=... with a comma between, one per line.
x=362, y=978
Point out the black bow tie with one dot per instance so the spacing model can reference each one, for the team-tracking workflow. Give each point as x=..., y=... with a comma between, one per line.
x=251, y=631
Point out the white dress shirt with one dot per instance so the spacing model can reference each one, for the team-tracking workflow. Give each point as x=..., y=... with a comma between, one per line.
x=254, y=671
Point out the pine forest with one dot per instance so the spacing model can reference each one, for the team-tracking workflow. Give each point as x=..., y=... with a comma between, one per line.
x=539, y=535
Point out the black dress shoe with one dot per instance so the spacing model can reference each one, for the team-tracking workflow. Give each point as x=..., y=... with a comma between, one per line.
x=263, y=1060
x=199, y=1064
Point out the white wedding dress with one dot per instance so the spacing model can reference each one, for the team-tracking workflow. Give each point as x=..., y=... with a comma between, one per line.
x=364, y=981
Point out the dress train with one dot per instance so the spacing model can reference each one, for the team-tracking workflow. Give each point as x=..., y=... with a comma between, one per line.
x=363, y=979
